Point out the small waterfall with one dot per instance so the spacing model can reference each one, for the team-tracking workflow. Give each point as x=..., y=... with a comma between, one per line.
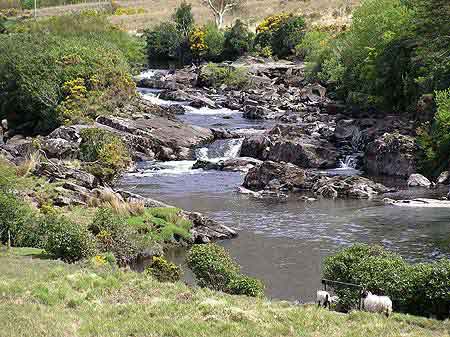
x=349, y=162
x=220, y=150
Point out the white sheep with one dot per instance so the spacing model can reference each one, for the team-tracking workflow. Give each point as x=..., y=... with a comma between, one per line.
x=333, y=299
x=375, y=303
x=323, y=298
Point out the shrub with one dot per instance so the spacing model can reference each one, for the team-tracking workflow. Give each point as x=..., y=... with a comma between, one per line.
x=129, y=11
x=215, y=41
x=212, y=266
x=67, y=240
x=422, y=289
x=288, y=35
x=216, y=75
x=248, y=286
x=197, y=42
x=163, y=270
x=41, y=96
x=238, y=40
x=106, y=152
x=17, y=221
x=215, y=269
x=113, y=235
x=164, y=42
x=434, y=139
x=281, y=33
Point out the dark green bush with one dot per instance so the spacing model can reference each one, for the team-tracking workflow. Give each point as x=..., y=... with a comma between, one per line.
x=280, y=34
x=238, y=40
x=66, y=240
x=163, y=270
x=215, y=41
x=434, y=138
x=164, y=43
x=245, y=285
x=105, y=152
x=422, y=289
x=288, y=36
x=215, y=269
x=212, y=265
x=17, y=220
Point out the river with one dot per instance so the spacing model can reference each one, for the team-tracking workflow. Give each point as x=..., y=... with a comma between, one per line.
x=284, y=242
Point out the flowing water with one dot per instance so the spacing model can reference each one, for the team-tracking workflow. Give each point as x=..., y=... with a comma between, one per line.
x=284, y=242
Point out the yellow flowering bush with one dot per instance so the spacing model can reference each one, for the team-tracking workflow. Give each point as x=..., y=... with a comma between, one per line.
x=272, y=23
x=197, y=41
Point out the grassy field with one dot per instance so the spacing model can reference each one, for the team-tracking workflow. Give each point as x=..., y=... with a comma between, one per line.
x=40, y=297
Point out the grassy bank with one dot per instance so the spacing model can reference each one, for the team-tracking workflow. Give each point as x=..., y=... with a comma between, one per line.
x=42, y=297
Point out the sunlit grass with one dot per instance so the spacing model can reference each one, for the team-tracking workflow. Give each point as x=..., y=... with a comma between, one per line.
x=50, y=298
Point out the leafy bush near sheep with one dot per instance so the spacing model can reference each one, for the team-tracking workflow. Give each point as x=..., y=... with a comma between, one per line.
x=421, y=289
x=214, y=268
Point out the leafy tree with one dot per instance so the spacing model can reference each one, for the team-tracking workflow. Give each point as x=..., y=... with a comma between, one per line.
x=238, y=40
x=184, y=19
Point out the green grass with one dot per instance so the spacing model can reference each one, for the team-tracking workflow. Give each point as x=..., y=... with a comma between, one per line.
x=50, y=298
x=161, y=223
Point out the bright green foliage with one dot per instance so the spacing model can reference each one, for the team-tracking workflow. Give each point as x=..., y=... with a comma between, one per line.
x=37, y=70
x=215, y=269
x=215, y=75
x=414, y=288
x=66, y=240
x=245, y=285
x=163, y=270
x=434, y=139
x=162, y=224
x=238, y=40
x=106, y=153
x=212, y=265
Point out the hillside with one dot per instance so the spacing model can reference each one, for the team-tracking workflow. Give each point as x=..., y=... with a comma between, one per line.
x=51, y=298
x=334, y=12
x=322, y=11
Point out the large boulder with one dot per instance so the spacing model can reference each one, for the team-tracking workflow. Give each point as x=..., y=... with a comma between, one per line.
x=392, y=154
x=354, y=187
x=273, y=175
x=418, y=180
x=60, y=148
x=292, y=144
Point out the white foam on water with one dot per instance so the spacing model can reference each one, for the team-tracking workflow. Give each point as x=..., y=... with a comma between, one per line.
x=168, y=168
x=208, y=111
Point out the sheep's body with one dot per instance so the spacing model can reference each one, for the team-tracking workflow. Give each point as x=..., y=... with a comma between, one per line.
x=323, y=298
x=380, y=304
x=334, y=299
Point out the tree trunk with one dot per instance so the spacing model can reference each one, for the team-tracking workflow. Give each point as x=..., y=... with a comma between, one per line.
x=219, y=20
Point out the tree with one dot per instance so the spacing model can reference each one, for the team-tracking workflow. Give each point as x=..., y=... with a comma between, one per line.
x=222, y=7
x=184, y=19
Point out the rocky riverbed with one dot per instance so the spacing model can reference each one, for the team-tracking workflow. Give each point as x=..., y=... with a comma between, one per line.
x=295, y=173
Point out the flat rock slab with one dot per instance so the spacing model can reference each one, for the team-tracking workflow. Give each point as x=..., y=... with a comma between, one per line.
x=420, y=202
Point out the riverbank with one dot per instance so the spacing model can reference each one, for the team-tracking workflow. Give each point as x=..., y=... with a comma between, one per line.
x=51, y=298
